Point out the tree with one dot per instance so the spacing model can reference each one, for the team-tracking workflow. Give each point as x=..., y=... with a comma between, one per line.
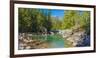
x=34, y=20
x=70, y=19
x=86, y=21
x=56, y=23
x=24, y=20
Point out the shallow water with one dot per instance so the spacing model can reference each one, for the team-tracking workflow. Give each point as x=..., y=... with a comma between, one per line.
x=55, y=41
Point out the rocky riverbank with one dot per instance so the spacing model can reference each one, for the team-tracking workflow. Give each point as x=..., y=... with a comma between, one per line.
x=74, y=37
x=28, y=42
x=77, y=38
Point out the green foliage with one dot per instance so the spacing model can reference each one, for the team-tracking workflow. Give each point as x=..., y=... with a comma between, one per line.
x=34, y=20
x=77, y=18
x=86, y=21
x=37, y=20
x=71, y=18
x=57, y=24
x=24, y=20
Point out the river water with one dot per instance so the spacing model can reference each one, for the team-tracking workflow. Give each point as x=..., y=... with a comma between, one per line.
x=57, y=41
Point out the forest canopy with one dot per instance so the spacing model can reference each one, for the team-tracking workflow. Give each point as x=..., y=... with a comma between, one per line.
x=37, y=20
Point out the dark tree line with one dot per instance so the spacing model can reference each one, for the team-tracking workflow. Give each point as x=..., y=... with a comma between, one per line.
x=34, y=20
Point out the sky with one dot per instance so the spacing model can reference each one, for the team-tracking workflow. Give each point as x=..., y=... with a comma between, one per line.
x=57, y=13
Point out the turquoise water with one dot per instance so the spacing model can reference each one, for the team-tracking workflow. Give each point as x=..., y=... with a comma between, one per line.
x=56, y=41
